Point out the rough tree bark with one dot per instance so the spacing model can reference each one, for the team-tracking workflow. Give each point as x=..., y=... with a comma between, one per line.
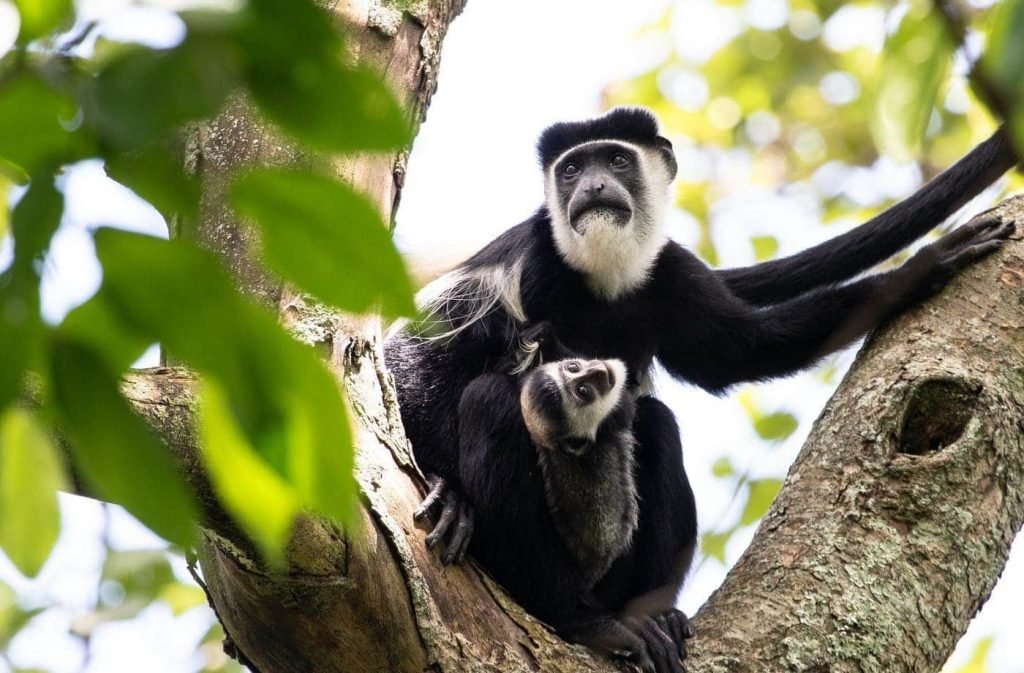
x=889, y=533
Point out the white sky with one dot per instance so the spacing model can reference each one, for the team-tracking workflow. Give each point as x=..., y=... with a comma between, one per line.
x=508, y=70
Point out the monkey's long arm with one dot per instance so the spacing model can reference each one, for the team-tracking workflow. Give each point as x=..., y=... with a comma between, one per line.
x=841, y=258
x=715, y=340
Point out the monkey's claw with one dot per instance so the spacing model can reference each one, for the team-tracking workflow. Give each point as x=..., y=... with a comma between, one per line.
x=972, y=241
x=438, y=486
x=677, y=626
x=455, y=524
x=660, y=646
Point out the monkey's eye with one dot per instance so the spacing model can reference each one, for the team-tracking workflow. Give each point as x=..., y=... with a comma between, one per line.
x=620, y=161
x=583, y=390
x=572, y=367
x=570, y=170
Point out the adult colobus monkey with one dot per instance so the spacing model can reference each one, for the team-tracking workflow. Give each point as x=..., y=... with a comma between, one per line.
x=596, y=263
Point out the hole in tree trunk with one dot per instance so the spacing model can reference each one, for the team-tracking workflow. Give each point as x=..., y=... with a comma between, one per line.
x=936, y=415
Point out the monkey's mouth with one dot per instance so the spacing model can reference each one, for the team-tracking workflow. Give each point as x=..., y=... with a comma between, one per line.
x=612, y=213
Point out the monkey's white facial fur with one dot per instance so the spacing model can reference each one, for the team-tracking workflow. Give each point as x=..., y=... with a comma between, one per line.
x=565, y=402
x=606, y=200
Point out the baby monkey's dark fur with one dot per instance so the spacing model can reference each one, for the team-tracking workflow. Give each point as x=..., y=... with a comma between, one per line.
x=548, y=461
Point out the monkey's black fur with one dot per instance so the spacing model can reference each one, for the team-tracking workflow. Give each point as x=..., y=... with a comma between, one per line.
x=622, y=610
x=713, y=328
x=635, y=125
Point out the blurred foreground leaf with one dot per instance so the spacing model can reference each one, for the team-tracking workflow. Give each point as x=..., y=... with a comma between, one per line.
x=286, y=404
x=117, y=453
x=296, y=76
x=713, y=544
x=193, y=78
x=261, y=500
x=35, y=219
x=761, y=495
x=1004, y=61
x=916, y=61
x=38, y=125
x=31, y=473
x=39, y=18
x=776, y=426
x=12, y=616
x=327, y=238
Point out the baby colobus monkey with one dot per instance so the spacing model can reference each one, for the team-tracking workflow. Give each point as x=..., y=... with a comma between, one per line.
x=547, y=460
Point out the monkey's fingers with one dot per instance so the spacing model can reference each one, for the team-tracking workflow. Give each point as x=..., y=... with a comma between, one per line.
x=677, y=626
x=983, y=243
x=660, y=647
x=463, y=533
x=449, y=509
x=438, y=487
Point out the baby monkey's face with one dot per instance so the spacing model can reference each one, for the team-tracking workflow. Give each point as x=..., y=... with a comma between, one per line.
x=565, y=402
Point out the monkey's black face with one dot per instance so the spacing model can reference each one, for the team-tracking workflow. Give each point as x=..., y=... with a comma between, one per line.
x=598, y=181
x=564, y=403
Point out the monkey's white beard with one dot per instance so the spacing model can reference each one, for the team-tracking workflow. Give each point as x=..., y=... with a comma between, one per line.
x=616, y=259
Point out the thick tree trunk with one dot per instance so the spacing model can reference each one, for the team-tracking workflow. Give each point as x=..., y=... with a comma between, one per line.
x=891, y=530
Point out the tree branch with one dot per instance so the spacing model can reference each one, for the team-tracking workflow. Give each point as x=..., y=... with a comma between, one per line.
x=897, y=517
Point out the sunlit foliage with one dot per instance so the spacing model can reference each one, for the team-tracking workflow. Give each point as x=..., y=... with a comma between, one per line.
x=273, y=418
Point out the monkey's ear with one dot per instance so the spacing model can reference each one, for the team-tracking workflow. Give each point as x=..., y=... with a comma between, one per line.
x=664, y=146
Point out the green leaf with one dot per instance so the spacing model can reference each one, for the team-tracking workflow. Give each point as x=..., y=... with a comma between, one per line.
x=5, y=209
x=760, y=497
x=765, y=247
x=328, y=106
x=31, y=473
x=288, y=406
x=327, y=238
x=38, y=125
x=152, y=175
x=41, y=17
x=120, y=458
x=979, y=661
x=253, y=492
x=194, y=79
x=916, y=61
x=12, y=616
x=722, y=468
x=1004, y=54
x=713, y=544
x=307, y=90
x=33, y=222
x=140, y=572
x=776, y=426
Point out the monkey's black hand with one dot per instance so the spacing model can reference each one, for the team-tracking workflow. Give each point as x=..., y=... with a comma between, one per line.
x=661, y=649
x=455, y=525
x=963, y=246
x=677, y=626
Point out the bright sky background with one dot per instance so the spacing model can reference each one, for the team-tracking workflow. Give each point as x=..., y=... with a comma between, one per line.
x=508, y=70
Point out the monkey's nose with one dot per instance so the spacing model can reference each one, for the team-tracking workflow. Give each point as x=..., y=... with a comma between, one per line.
x=597, y=374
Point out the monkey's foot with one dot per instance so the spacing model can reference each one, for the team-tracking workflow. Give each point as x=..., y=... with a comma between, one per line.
x=677, y=626
x=660, y=646
x=454, y=526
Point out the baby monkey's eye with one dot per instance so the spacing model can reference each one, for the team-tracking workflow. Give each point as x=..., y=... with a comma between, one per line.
x=583, y=390
x=572, y=367
x=570, y=170
x=620, y=161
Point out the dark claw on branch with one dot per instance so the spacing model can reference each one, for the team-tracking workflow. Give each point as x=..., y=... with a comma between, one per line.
x=454, y=527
